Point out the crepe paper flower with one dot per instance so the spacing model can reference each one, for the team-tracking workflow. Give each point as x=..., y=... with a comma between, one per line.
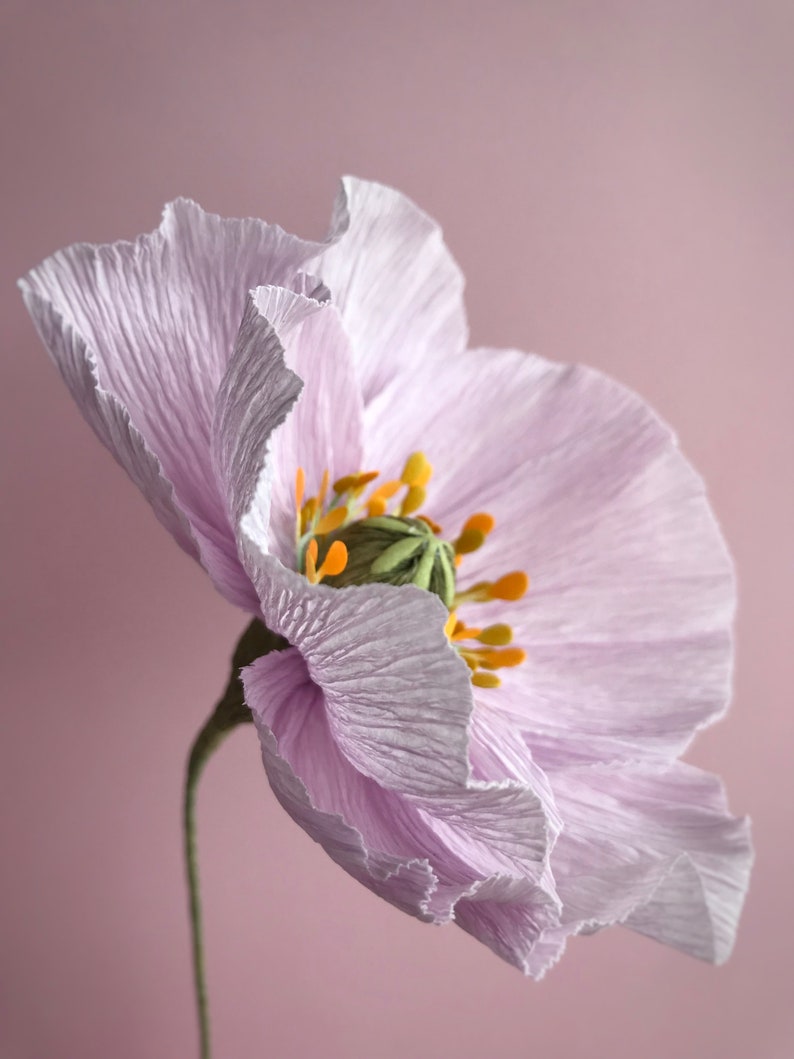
x=305, y=418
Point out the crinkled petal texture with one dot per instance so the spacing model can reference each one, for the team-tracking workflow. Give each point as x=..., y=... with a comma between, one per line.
x=147, y=336
x=364, y=724
x=214, y=357
x=627, y=629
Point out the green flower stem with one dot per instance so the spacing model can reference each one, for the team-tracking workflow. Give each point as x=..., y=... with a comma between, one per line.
x=228, y=714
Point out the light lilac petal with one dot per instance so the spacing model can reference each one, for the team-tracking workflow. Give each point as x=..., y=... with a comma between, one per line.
x=489, y=837
x=655, y=848
x=398, y=696
x=289, y=344
x=160, y=316
x=324, y=430
x=280, y=681
x=108, y=417
x=627, y=623
x=524, y=934
x=397, y=286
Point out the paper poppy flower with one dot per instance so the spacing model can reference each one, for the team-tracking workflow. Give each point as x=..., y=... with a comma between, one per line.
x=306, y=420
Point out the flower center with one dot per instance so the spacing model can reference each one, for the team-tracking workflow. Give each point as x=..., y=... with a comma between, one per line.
x=344, y=537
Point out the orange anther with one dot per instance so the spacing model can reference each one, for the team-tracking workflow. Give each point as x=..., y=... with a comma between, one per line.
x=512, y=586
x=334, y=562
x=481, y=521
x=510, y=656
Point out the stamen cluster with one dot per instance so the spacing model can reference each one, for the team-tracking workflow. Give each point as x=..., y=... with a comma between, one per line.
x=345, y=537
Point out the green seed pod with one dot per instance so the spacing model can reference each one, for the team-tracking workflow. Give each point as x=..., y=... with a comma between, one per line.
x=393, y=551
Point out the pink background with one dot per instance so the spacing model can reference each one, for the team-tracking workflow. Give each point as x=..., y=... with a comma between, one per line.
x=616, y=182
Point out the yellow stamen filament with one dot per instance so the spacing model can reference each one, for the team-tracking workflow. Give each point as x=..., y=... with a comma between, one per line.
x=451, y=625
x=323, y=489
x=463, y=632
x=300, y=488
x=376, y=507
x=311, y=562
x=414, y=499
x=434, y=526
x=309, y=513
x=333, y=520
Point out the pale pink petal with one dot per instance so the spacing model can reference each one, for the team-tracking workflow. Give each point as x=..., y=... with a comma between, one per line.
x=398, y=288
x=108, y=417
x=627, y=623
x=323, y=433
x=160, y=316
x=491, y=837
x=279, y=681
x=289, y=345
x=655, y=848
x=526, y=935
x=398, y=696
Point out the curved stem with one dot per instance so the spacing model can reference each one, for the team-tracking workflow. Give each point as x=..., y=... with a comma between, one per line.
x=255, y=642
x=206, y=741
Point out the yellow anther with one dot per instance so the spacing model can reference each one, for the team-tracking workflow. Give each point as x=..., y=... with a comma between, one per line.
x=333, y=520
x=469, y=541
x=417, y=470
x=354, y=483
x=510, y=656
x=414, y=499
x=494, y=635
x=300, y=487
x=512, y=586
x=309, y=513
x=481, y=521
x=344, y=485
x=451, y=624
x=485, y=680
